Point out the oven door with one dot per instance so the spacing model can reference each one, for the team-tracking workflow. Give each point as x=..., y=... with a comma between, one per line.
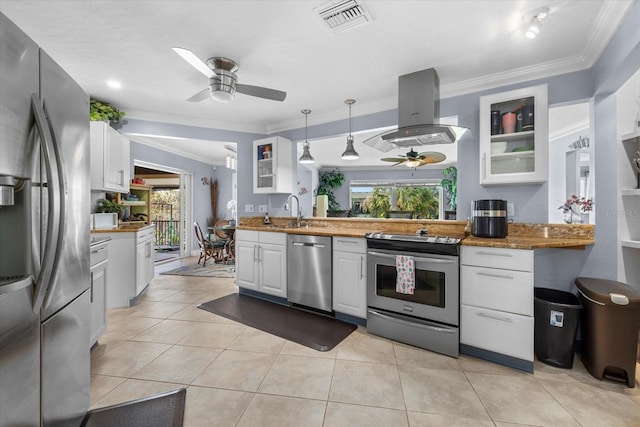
x=436, y=295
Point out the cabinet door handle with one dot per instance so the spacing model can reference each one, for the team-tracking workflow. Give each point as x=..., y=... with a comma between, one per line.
x=499, y=318
x=507, y=255
x=91, y=287
x=121, y=172
x=361, y=267
x=255, y=253
x=501, y=276
x=351, y=242
x=484, y=166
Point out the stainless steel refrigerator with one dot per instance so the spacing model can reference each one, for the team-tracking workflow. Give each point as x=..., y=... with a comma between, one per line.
x=44, y=238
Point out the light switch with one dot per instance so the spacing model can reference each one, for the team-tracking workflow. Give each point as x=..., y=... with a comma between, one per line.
x=248, y=208
x=511, y=211
x=263, y=208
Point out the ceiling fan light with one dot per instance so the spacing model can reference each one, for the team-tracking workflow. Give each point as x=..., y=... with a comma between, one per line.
x=222, y=96
x=413, y=163
x=350, y=153
x=306, y=155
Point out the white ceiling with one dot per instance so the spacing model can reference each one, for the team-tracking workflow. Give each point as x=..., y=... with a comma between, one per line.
x=285, y=45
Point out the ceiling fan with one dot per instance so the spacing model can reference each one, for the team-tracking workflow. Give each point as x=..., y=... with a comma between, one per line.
x=414, y=159
x=223, y=81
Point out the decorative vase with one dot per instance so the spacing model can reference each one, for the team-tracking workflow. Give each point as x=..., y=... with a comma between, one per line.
x=571, y=217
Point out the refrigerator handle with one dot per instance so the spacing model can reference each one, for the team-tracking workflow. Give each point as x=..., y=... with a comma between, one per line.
x=54, y=214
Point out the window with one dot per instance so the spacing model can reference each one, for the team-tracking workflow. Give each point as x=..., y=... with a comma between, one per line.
x=397, y=199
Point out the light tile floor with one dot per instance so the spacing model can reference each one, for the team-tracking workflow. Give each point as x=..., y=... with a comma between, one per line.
x=239, y=376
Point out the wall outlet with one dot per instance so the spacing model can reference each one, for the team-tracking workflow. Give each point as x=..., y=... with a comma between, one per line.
x=263, y=208
x=248, y=208
x=511, y=210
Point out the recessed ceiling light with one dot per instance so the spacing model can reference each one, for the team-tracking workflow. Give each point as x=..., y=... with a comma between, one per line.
x=113, y=84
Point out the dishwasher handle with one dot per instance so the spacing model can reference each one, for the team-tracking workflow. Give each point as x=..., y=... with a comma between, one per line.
x=313, y=245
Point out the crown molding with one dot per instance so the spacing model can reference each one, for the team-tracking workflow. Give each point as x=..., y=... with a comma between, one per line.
x=569, y=130
x=194, y=121
x=599, y=38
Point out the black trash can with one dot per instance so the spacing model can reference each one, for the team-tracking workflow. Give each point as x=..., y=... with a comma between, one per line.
x=557, y=314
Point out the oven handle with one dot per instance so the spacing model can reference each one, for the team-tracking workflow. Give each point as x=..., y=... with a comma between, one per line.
x=416, y=324
x=434, y=260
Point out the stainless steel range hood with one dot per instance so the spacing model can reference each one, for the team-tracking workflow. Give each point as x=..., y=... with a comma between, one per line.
x=418, y=114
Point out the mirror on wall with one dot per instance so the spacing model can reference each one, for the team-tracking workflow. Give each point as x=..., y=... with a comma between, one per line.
x=571, y=164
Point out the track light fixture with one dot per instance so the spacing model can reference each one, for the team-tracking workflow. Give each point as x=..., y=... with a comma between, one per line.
x=350, y=153
x=533, y=21
x=306, y=155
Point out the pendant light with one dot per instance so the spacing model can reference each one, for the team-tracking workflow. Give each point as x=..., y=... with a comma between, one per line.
x=306, y=155
x=350, y=153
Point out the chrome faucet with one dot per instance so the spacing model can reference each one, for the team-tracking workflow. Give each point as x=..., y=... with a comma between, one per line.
x=299, y=213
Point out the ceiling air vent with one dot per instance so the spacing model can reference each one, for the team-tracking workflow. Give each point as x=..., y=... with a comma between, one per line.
x=341, y=15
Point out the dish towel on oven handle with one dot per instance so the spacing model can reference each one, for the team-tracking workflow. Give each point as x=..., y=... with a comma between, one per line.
x=405, y=275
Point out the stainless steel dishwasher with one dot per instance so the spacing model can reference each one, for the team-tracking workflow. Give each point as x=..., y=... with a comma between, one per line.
x=309, y=271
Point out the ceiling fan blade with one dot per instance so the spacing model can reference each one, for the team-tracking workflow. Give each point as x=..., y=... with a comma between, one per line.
x=200, y=96
x=195, y=62
x=431, y=157
x=261, y=92
x=393, y=159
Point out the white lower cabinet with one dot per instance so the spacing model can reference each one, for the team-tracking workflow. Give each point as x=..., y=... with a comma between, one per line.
x=98, y=291
x=496, y=299
x=131, y=265
x=350, y=276
x=261, y=261
x=144, y=258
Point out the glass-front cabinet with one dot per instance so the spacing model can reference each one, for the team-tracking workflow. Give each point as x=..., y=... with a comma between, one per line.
x=272, y=165
x=514, y=137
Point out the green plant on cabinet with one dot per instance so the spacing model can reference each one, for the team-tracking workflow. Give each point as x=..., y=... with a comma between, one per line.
x=327, y=182
x=103, y=111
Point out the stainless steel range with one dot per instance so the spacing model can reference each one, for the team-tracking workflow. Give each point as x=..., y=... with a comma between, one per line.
x=425, y=314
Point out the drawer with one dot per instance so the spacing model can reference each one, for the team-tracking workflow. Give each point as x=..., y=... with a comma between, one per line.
x=98, y=254
x=145, y=235
x=497, y=331
x=509, y=259
x=504, y=290
x=247, y=235
x=350, y=244
x=274, y=238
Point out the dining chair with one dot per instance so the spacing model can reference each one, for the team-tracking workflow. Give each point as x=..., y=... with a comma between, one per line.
x=225, y=238
x=207, y=248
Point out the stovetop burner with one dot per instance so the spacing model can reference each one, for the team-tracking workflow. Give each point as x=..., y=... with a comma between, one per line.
x=418, y=243
x=418, y=237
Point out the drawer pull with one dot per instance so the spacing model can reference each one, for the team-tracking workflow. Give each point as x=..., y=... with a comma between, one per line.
x=500, y=276
x=494, y=254
x=501, y=319
x=353, y=242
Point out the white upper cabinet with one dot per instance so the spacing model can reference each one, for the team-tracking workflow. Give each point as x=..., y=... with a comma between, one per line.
x=109, y=159
x=514, y=137
x=272, y=166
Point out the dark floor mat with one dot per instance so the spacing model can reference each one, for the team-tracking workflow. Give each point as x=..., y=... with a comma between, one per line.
x=319, y=332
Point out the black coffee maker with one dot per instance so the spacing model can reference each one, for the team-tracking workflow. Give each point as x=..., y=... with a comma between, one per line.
x=489, y=218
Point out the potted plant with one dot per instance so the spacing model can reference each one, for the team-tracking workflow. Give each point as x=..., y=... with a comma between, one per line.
x=103, y=111
x=327, y=182
x=450, y=186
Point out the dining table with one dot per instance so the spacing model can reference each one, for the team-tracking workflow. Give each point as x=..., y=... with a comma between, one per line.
x=229, y=232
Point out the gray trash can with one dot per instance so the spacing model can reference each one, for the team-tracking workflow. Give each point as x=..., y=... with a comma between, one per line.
x=557, y=314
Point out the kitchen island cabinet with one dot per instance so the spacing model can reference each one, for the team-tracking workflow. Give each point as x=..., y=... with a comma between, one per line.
x=350, y=276
x=261, y=262
x=131, y=265
x=496, y=305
